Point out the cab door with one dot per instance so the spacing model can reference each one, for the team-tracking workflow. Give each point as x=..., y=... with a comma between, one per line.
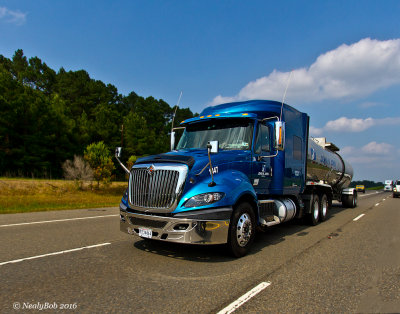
x=261, y=166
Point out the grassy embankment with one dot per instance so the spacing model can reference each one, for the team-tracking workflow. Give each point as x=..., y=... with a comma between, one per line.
x=376, y=188
x=30, y=195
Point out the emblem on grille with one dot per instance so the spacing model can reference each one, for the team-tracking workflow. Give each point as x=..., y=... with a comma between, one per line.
x=150, y=170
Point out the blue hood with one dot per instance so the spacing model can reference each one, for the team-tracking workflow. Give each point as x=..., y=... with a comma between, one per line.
x=197, y=159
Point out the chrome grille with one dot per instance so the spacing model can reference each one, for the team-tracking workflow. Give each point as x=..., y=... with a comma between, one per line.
x=155, y=187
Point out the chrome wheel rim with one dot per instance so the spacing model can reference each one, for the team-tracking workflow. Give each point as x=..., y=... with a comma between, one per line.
x=324, y=208
x=316, y=211
x=244, y=230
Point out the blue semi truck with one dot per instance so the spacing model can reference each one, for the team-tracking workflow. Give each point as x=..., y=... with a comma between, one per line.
x=237, y=167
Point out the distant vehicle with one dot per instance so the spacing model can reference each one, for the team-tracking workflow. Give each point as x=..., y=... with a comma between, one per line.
x=396, y=189
x=388, y=186
x=360, y=188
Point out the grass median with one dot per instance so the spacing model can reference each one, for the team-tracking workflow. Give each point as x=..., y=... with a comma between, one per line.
x=31, y=195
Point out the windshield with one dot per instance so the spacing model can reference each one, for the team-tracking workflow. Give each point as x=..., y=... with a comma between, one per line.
x=232, y=134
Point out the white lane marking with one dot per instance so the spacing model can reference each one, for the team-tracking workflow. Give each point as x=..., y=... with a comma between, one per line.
x=58, y=220
x=244, y=298
x=358, y=217
x=54, y=253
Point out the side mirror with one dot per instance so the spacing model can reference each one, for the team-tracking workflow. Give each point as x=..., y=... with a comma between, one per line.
x=117, y=155
x=213, y=145
x=118, y=152
x=279, y=138
x=172, y=140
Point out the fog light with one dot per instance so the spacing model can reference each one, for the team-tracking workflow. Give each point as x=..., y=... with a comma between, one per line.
x=181, y=227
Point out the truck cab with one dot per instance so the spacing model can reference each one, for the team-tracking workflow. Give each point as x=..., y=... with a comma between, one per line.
x=236, y=167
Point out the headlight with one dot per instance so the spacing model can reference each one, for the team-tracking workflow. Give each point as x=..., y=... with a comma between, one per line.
x=394, y=189
x=204, y=199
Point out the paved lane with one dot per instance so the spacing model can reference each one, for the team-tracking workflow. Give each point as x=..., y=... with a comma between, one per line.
x=52, y=235
x=357, y=270
x=135, y=275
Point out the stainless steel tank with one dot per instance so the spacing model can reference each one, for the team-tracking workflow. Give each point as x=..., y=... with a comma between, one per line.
x=325, y=164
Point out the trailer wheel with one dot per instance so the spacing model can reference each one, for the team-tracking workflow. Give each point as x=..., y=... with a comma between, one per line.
x=314, y=215
x=241, y=230
x=350, y=201
x=324, y=208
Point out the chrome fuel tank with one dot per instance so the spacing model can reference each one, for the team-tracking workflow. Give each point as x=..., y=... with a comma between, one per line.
x=324, y=164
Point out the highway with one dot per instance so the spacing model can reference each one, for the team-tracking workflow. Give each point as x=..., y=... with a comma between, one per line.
x=78, y=260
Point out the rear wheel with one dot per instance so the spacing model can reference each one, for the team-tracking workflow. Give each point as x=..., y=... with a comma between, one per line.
x=314, y=216
x=350, y=200
x=241, y=230
x=323, y=207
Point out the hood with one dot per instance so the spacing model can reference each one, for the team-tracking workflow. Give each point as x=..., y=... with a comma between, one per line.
x=196, y=159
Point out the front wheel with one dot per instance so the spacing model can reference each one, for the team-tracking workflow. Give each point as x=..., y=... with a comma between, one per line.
x=241, y=230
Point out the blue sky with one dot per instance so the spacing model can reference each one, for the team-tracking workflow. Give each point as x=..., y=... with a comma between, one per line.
x=344, y=57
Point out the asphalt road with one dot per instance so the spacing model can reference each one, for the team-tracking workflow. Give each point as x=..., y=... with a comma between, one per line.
x=54, y=259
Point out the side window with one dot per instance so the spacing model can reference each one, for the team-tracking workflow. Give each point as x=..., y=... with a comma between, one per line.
x=262, y=141
x=297, y=148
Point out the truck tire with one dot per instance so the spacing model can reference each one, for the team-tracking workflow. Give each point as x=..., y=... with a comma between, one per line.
x=323, y=207
x=315, y=210
x=350, y=201
x=242, y=229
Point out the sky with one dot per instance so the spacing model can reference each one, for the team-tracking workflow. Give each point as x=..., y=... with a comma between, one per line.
x=340, y=60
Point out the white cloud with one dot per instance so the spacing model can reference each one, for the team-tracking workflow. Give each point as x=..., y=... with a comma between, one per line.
x=370, y=104
x=351, y=125
x=373, y=161
x=373, y=153
x=378, y=148
x=13, y=17
x=347, y=150
x=348, y=72
x=344, y=124
x=315, y=131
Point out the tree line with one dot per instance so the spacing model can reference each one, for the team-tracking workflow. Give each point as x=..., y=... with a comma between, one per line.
x=47, y=117
x=367, y=184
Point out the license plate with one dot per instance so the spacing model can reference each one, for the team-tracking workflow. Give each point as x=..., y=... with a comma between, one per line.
x=145, y=233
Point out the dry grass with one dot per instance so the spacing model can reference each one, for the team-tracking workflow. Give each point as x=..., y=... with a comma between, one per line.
x=26, y=195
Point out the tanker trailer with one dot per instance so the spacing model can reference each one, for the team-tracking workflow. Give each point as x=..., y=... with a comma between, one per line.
x=327, y=173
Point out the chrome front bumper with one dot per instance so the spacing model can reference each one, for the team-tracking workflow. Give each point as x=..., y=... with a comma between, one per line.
x=180, y=230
